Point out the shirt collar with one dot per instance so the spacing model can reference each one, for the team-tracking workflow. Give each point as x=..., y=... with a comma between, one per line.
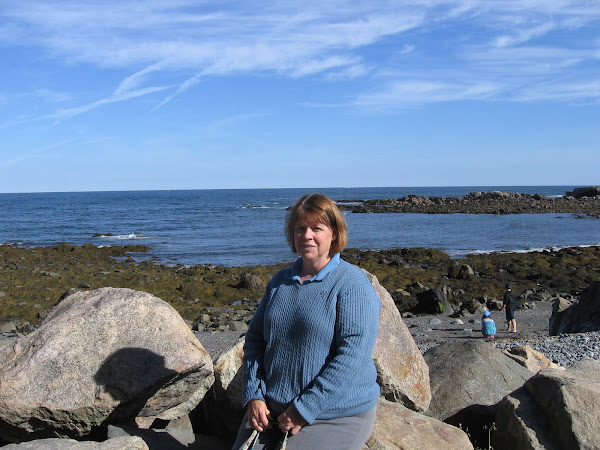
x=320, y=275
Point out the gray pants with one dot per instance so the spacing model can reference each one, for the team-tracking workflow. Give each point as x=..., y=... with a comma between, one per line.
x=344, y=433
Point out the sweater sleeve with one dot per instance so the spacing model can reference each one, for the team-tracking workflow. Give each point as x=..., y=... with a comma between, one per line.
x=254, y=350
x=356, y=328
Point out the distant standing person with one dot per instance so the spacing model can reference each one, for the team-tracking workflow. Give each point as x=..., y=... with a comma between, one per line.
x=510, y=304
x=488, y=326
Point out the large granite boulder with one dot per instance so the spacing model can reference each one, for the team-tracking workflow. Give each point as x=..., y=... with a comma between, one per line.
x=402, y=372
x=468, y=379
x=123, y=443
x=397, y=427
x=99, y=357
x=577, y=317
x=555, y=409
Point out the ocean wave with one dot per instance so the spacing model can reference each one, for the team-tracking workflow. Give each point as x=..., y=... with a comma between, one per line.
x=256, y=206
x=253, y=206
x=455, y=254
x=130, y=236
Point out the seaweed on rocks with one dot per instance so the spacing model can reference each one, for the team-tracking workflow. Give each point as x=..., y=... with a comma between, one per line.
x=32, y=280
x=540, y=275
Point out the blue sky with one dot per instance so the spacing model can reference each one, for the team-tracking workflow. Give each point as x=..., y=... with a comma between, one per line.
x=123, y=95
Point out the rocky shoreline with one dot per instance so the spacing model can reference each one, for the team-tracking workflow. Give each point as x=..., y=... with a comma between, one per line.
x=431, y=367
x=218, y=302
x=580, y=201
x=421, y=281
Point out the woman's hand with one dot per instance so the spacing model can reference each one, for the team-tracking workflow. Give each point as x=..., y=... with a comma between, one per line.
x=259, y=415
x=291, y=420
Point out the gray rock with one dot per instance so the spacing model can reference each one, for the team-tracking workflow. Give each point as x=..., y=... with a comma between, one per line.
x=433, y=301
x=8, y=327
x=121, y=443
x=577, y=317
x=468, y=379
x=531, y=359
x=397, y=427
x=250, y=281
x=101, y=357
x=461, y=271
x=589, y=191
x=221, y=409
x=473, y=305
x=167, y=439
x=518, y=428
x=237, y=325
x=402, y=373
x=556, y=409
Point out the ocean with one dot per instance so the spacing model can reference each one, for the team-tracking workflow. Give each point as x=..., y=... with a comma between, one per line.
x=244, y=227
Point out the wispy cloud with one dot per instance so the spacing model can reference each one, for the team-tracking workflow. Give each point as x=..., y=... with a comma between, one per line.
x=179, y=43
x=408, y=94
x=115, y=98
x=569, y=92
x=524, y=35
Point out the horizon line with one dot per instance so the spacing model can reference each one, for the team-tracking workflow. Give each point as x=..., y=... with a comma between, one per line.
x=298, y=188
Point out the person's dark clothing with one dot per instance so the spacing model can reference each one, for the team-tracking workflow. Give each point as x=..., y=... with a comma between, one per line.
x=510, y=302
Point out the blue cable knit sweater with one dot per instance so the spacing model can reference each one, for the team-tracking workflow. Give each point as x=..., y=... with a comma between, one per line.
x=311, y=344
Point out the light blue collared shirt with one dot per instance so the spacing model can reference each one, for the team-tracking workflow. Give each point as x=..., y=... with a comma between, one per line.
x=320, y=275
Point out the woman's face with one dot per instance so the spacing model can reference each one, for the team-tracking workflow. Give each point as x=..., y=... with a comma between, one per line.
x=313, y=242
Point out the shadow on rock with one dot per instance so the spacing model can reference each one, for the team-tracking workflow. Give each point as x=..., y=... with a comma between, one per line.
x=131, y=376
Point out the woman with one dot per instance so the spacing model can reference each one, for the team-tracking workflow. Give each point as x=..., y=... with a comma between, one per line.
x=308, y=374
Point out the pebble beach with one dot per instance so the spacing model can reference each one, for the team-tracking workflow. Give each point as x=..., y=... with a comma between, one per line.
x=564, y=350
x=431, y=331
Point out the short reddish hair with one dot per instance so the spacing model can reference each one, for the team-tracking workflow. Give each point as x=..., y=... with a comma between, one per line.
x=317, y=208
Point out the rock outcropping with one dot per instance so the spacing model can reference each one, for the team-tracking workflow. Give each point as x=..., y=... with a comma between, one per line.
x=555, y=409
x=402, y=372
x=111, y=355
x=577, y=317
x=397, y=427
x=100, y=357
x=578, y=201
x=468, y=380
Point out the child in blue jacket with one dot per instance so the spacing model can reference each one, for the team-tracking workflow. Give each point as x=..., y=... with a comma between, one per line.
x=488, y=326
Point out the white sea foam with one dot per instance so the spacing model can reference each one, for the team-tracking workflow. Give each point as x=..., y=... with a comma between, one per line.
x=253, y=206
x=455, y=254
x=121, y=237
